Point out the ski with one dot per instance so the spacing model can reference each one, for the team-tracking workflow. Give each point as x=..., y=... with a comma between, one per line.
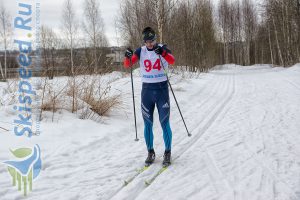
x=149, y=181
x=129, y=180
x=138, y=172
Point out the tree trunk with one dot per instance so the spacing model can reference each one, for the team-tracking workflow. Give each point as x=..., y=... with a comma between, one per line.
x=1, y=71
x=277, y=43
x=298, y=17
x=52, y=58
x=73, y=93
x=95, y=59
x=270, y=45
x=159, y=18
x=72, y=63
x=5, y=49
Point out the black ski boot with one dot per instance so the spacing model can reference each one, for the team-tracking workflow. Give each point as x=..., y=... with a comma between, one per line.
x=167, y=159
x=151, y=157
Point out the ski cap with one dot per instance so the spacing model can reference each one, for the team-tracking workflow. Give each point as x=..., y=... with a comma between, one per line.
x=148, y=34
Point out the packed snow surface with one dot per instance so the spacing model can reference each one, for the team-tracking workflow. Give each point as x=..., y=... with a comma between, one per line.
x=245, y=144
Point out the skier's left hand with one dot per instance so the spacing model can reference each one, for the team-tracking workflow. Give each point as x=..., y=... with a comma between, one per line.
x=128, y=53
x=160, y=51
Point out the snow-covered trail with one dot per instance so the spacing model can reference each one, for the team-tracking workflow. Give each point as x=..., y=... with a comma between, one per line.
x=245, y=143
x=203, y=105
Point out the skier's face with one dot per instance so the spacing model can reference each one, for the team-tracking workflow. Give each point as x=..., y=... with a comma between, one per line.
x=150, y=43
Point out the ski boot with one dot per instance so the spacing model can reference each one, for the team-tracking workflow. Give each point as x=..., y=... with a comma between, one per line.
x=150, y=159
x=167, y=159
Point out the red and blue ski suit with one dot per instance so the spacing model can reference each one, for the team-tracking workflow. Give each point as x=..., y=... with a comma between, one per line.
x=154, y=91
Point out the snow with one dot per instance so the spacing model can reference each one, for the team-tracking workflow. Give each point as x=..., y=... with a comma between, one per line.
x=245, y=142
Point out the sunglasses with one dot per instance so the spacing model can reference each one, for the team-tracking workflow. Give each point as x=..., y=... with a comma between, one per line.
x=149, y=41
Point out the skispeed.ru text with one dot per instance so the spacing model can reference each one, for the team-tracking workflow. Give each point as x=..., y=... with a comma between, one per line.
x=23, y=24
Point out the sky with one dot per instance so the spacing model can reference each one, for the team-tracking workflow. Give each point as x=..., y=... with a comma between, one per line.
x=51, y=14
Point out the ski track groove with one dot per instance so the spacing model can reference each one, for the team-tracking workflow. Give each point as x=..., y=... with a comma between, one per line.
x=293, y=84
x=202, y=105
x=217, y=172
x=214, y=171
x=216, y=110
x=286, y=78
x=195, y=94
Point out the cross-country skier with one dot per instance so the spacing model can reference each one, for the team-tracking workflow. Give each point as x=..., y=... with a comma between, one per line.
x=153, y=59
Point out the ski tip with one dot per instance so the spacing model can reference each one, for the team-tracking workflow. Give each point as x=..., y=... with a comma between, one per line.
x=147, y=183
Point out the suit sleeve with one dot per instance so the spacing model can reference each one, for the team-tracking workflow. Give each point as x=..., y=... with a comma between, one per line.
x=127, y=63
x=134, y=58
x=167, y=55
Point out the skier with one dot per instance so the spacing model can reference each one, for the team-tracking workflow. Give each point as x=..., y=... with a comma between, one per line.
x=153, y=59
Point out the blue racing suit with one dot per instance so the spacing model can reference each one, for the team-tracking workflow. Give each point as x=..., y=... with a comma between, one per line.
x=156, y=94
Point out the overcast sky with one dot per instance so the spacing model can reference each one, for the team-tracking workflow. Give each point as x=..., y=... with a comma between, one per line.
x=51, y=13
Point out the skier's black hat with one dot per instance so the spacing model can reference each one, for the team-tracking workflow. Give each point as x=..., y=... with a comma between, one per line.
x=148, y=34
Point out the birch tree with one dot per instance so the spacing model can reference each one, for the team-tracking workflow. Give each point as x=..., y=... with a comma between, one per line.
x=250, y=24
x=5, y=33
x=70, y=28
x=94, y=28
x=49, y=43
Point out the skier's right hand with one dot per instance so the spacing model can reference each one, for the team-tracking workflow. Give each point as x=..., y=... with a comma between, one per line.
x=128, y=53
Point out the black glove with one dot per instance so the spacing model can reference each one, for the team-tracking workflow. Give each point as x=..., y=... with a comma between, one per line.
x=128, y=53
x=160, y=51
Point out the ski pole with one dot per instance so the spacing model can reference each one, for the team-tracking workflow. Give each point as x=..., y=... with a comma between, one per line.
x=189, y=134
x=136, y=138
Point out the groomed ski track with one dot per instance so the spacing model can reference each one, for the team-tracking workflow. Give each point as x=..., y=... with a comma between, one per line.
x=239, y=129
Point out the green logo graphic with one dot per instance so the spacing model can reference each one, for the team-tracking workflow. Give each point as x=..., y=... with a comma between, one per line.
x=26, y=168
